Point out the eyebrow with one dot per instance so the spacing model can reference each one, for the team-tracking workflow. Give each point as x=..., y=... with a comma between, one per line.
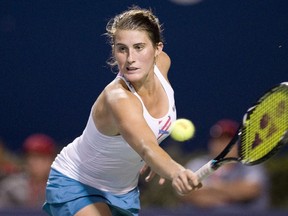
x=137, y=44
x=119, y=44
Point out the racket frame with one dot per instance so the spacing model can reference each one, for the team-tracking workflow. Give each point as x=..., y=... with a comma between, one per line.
x=220, y=160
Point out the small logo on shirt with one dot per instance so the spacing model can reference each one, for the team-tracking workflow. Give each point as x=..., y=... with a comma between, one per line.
x=164, y=126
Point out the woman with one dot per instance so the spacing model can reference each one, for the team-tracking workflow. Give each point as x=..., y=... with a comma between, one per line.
x=97, y=174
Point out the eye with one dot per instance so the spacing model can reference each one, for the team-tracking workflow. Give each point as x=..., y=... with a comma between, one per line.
x=121, y=49
x=139, y=47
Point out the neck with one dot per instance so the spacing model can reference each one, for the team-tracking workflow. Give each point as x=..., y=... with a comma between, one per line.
x=147, y=85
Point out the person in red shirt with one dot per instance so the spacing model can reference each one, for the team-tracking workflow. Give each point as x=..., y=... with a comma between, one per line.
x=26, y=189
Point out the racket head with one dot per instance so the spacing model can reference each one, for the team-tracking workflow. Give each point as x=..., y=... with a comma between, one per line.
x=265, y=126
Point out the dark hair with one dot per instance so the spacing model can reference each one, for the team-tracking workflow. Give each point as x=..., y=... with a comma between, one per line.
x=135, y=18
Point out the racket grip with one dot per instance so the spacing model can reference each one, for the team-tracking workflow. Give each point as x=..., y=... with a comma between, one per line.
x=205, y=171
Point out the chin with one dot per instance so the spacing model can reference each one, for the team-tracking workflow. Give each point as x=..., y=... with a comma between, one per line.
x=133, y=77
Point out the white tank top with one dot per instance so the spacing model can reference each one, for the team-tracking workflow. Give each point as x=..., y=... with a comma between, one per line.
x=109, y=163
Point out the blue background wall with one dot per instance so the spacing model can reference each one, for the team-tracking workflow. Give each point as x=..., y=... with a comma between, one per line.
x=225, y=54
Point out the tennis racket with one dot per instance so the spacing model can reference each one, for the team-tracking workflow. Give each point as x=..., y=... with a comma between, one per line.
x=264, y=130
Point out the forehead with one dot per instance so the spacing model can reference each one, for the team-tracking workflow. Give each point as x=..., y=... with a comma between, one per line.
x=131, y=37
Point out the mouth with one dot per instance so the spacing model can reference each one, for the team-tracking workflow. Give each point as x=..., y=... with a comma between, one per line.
x=131, y=69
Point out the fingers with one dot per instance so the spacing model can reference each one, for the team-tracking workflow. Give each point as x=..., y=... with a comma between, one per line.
x=185, y=182
x=161, y=181
x=144, y=169
x=150, y=176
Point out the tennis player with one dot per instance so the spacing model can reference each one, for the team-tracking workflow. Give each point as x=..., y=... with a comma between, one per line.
x=97, y=174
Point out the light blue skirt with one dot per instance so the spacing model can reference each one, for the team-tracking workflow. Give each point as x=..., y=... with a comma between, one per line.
x=66, y=196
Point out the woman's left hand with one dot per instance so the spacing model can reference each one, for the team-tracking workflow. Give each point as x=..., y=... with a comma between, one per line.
x=151, y=174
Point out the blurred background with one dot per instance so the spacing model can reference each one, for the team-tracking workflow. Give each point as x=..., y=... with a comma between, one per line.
x=225, y=54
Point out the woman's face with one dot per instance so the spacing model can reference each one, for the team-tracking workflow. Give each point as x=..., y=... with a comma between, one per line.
x=135, y=54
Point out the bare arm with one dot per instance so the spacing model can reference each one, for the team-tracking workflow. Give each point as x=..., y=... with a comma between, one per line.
x=127, y=114
x=163, y=62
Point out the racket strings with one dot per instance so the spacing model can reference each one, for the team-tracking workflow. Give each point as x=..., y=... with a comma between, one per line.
x=265, y=125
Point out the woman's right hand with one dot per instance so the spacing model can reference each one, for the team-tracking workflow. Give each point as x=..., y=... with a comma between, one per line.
x=185, y=181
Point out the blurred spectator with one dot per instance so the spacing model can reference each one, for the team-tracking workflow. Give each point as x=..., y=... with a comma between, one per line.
x=8, y=162
x=233, y=186
x=26, y=189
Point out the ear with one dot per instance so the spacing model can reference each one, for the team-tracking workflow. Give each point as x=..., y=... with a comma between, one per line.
x=159, y=48
x=113, y=49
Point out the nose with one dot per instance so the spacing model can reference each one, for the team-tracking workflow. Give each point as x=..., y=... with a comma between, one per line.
x=130, y=57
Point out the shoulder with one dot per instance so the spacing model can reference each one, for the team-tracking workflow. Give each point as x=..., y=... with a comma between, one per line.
x=116, y=90
x=118, y=96
x=115, y=104
x=163, y=62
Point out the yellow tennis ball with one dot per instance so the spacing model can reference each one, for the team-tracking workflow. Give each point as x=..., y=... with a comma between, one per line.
x=182, y=130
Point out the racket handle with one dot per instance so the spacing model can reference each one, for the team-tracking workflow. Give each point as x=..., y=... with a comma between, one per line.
x=205, y=171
